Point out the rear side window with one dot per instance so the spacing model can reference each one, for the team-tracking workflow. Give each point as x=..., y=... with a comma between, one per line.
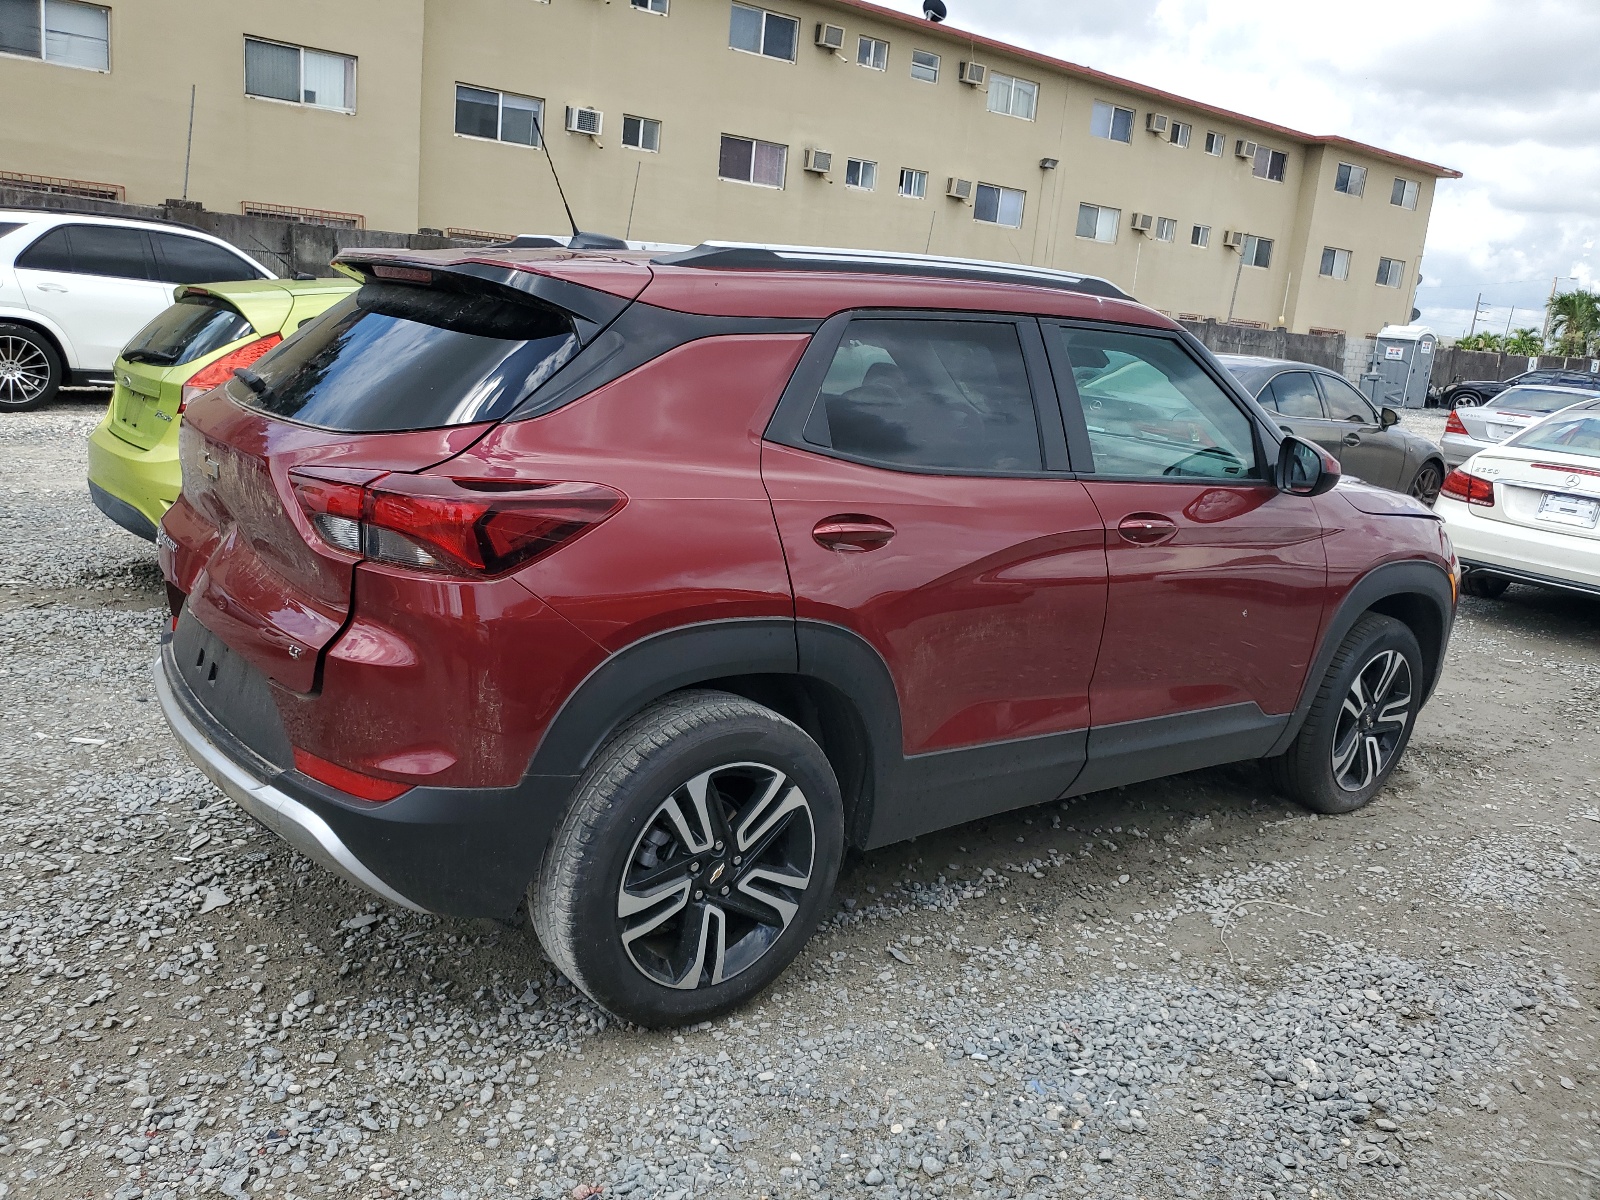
x=1294, y=394
x=189, y=329
x=1151, y=412
x=937, y=395
x=105, y=250
x=393, y=357
x=182, y=259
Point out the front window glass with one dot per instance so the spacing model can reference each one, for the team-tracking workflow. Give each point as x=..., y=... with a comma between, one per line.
x=1294, y=394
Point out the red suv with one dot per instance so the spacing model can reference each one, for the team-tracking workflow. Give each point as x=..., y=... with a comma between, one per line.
x=637, y=590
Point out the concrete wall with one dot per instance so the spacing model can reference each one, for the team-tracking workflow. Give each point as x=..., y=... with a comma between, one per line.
x=1271, y=343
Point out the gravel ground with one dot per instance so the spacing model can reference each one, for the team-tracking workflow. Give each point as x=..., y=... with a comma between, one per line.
x=1181, y=989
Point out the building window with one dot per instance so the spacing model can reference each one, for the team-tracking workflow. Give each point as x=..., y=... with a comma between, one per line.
x=641, y=133
x=1166, y=229
x=1112, y=123
x=1269, y=164
x=1404, y=194
x=57, y=31
x=998, y=206
x=913, y=184
x=1179, y=135
x=1335, y=263
x=1257, y=251
x=769, y=34
x=1097, y=223
x=1215, y=142
x=498, y=116
x=1350, y=179
x=745, y=160
x=275, y=71
x=872, y=53
x=1012, y=97
x=1200, y=236
x=1391, y=272
x=652, y=6
x=859, y=173
x=925, y=66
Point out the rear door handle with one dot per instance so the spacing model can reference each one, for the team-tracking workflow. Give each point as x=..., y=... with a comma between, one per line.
x=1352, y=439
x=1147, y=529
x=852, y=532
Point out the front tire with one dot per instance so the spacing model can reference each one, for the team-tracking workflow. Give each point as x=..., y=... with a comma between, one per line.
x=695, y=860
x=30, y=369
x=1360, y=721
x=1426, y=483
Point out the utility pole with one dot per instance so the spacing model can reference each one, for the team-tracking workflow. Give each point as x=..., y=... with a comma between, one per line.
x=1476, y=309
x=1508, y=320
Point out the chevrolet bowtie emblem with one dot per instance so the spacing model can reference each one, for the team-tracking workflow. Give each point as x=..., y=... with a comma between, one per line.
x=717, y=874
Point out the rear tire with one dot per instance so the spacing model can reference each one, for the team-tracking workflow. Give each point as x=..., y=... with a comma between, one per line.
x=30, y=369
x=694, y=862
x=1360, y=721
x=1485, y=585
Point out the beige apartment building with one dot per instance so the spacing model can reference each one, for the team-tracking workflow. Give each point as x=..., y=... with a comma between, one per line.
x=821, y=122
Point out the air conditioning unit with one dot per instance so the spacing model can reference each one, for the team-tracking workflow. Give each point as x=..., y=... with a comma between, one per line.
x=1233, y=240
x=975, y=74
x=1244, y=149
x=959, y=189
x=585, y=120
x=1143, y=222
x=830, y=37
x=1157, y=122
x=819, y=162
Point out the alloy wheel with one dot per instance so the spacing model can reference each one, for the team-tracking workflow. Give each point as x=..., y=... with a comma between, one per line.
x=716, y=875
x=1372, y=721
x=24, y=370
x=1426, y=485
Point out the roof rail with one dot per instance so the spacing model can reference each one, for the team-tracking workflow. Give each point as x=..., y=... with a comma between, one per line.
x=714, y=255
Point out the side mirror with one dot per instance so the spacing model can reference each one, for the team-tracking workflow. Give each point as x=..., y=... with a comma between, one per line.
x=1388, y=418
x=1305, y=469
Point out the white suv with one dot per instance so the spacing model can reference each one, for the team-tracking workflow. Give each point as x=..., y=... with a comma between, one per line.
x=74, y=289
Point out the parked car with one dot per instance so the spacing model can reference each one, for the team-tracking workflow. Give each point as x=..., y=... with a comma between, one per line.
x=1468, y=392
x=190, y=348
x=631, y=592
x=75, y=288
x=1529, y=509
x=1467, y=431
x=1323, y=407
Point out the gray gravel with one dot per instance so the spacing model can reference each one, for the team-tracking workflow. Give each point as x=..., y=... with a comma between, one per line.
x=1181, y=989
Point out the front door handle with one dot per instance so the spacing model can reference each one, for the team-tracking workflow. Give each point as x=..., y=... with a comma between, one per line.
x=852, y=532
x=51, y=287
x=1147, y=529
x=1352, y=439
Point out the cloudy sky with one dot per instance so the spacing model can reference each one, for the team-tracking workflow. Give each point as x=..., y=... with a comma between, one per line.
x=1506, y=91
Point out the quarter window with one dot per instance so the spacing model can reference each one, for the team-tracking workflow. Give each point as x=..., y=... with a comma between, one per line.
x=1257, y=251
x=1350, y=179
x=641, y=133
x=873, y=53
x=1335, y=263
x=1294, y=394
x=1404, y=193
x=1111, y=122
x=1269, y=164
x=925, y=66
x=498, y=116
x=939, y=395
x=1215, y=142
x=769, y=34
x=1013, y=97
x=998, y=205
x=745, y=160
x=57, y=31
x=275, y=71
x=858, y=173
x=913, y=184
x=1179, y=135
x=1098, y=223
x=1200, y=236
x=1166, y=229
x=1391, y=272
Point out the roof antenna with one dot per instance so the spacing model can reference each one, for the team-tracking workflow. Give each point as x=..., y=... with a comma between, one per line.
x=580, y=240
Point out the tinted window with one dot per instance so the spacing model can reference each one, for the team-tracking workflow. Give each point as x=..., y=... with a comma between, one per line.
x=182, y=259
x=949, y=395
x=1152, y=412
x=191, y=328
x=1536, y=400
x=52, y=252
x=396, y=357
x=110, y=251
x=1294, y=394
x=9, y=227
x=1344, y=402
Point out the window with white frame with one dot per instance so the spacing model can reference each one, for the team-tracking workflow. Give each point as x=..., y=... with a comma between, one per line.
x=1098, y=223
x=925, y=66
x=1200, y=236
x=1166, y=229
x=998, y=205
x=498, y=116
x=57, y=31
x=1257, y=251
x=872, y=53
x=1013, y=97
x=747, y=160
x=1179, y=134
x=1215, y=142
x=651, y=6
x=296, y=75
x=1391, y=272
x=860, y=173
x=1350, y=179
x=1335, y=263
x=769, y=34
x=913, y=184
x=1269, y=164
x=1111, y=122
x=1404, y=193
x=641, y=133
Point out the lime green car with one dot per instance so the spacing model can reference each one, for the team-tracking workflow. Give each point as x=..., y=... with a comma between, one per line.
x=192, y=347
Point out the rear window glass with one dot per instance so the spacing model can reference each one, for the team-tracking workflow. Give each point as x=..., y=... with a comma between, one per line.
x=393, y=357
x=1573, y=433
x=1537, y=400
x=189, y=329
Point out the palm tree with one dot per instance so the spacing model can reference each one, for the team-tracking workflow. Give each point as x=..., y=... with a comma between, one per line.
x=1525, y=342
x=1479, y=341
x=1575, y=323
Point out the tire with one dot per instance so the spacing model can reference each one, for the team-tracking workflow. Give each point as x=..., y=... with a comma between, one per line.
x=724, y=923
x=1485, y=585
x=1465, y=400
x=1425, y=484
x=1342, y=756
x=30, y=368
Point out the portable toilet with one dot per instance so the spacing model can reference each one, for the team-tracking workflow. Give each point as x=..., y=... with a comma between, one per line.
x=1402, y=365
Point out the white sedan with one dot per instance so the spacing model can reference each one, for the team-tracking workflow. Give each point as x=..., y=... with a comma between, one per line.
x=1470, y=430
x=1529, y=509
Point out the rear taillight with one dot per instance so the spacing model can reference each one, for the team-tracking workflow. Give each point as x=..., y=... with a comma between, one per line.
x=1454, y=425
x=218, y=373
x=458, y=526
x=1472, y=489
x=353, y=783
